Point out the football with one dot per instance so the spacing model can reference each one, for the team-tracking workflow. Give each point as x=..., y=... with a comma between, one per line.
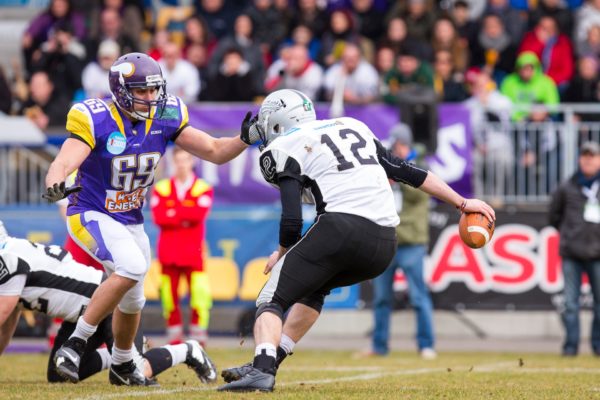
x=475, y=229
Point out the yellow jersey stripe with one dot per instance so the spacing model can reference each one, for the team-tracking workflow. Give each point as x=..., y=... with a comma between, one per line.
x=163, y=187
x=185, y=117
x=79, y=123
x=81, y=234
x=117, y=117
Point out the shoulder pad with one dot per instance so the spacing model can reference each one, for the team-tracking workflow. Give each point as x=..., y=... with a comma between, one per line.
x=83, y=118
x=163, y=187
x=200, y=186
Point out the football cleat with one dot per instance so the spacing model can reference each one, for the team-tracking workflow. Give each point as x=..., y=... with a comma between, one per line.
x=197, y=359
x=254, y=380
x=126, y=374
x=68, y=357
x=236, y=373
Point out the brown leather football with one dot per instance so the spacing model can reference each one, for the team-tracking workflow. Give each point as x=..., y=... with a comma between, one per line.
x=475, y=229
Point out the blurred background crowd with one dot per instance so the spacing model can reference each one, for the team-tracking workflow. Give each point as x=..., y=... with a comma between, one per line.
x=345, y=51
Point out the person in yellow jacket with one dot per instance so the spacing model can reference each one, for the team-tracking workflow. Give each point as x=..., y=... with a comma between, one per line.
x=180, y=206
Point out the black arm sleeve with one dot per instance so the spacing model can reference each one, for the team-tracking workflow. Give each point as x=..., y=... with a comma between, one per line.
x=290, y=226
x=399, y=170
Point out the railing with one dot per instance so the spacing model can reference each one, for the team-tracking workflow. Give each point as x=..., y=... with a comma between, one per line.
x=524, y=162
x=22, y=173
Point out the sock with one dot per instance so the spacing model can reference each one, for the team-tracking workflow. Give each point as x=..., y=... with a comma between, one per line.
x=264, y=358
x=178, y=352
x=287, y=344
x=83, y=330
x=160, y=359
x=120, y=356
x=105, y=357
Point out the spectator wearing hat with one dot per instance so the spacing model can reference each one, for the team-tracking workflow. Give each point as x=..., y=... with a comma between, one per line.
x=528, y=85
x=575, y=212
x=514, y=23
x=95, y=74
x=409, y=74
x=412, y=235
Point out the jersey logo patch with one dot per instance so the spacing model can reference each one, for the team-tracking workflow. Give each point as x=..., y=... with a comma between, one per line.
x=3, y=270
x=116, y=143
x=267, y=167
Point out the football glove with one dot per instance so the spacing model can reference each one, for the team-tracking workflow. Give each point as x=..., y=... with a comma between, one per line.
x=249, y=134
x=58, y=192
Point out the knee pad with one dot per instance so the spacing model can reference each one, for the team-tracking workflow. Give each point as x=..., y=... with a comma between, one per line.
x=132, y=302
x=314, y=301
x=273, y=308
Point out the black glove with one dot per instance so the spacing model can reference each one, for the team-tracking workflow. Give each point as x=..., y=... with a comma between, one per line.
x=249, y=135
x=58, y=192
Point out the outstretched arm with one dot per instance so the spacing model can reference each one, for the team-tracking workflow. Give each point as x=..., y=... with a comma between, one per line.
x=216, y=150
x=402, y=171
x=71, y=155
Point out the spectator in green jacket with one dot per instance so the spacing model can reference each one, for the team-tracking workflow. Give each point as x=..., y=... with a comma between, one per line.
x=528, y=85
x=410, y=74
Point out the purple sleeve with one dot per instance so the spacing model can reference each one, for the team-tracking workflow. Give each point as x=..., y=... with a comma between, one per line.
x=78, y=22
x=38, y=28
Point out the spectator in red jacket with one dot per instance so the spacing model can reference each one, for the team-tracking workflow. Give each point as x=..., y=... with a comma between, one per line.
x=553, y=48
x=180, y=206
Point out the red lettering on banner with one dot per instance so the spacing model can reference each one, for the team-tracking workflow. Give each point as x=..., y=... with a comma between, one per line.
x=550, y=278
x=525, y=267
x=453, y=261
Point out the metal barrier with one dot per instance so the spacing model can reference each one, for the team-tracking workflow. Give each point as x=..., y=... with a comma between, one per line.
x=22, y=174
x=524, y=162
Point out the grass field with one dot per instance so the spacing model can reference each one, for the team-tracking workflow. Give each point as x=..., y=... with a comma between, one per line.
x=337, y=375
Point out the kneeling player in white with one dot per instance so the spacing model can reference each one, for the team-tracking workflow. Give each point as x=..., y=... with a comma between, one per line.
x=48, y=280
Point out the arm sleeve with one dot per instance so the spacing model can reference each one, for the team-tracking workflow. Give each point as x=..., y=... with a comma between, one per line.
x=399, y=170
x=290, y=226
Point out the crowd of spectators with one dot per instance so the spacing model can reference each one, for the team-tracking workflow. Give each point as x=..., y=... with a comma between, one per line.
x=360, y=51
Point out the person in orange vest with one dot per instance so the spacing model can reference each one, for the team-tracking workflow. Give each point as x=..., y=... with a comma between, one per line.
x=180, y=206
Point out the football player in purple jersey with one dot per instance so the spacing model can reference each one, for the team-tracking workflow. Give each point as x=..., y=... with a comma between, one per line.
x=115, y=147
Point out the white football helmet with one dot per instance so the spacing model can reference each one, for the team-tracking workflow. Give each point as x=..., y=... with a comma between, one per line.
x=281, y=111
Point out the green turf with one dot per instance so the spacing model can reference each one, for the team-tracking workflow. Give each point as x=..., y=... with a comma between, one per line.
x=338, y=375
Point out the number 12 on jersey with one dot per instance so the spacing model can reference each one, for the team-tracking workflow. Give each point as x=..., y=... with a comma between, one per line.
x=343, y=162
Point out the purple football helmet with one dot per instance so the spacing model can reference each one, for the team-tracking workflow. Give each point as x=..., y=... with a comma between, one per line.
x=137, y=70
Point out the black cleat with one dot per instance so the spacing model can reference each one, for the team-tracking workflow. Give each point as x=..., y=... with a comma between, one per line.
x=236, y=373
x=151, y=382
x=126, y=374
x=197, y=359
x=252, y=381
x=68, y=357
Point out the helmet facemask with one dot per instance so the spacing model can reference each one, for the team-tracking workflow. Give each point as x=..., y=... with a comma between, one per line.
x=155, y=107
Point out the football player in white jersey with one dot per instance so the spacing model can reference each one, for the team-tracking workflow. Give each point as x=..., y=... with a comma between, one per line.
x=342, y=168
x=48, y=280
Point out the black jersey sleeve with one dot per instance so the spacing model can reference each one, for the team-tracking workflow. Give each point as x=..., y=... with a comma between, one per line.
x=398, y=169
x=290, y=225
